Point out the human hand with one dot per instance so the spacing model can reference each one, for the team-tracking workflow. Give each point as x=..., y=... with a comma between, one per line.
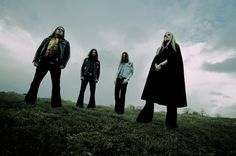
x=62, y=66
x=125, y=81
x=115, y=82
x=36, y=63
x=96, y=80
x=82, y=78
x=157, y=67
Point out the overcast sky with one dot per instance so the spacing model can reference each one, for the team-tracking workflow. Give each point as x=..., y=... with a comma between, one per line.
x=205, y=30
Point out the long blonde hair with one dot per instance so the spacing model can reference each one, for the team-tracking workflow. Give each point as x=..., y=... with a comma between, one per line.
x=171, y=42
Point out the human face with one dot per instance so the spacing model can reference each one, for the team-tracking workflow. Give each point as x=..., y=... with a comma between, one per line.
x=123, y=55
x=59, y=31
x=167, y=36
x=94, y=53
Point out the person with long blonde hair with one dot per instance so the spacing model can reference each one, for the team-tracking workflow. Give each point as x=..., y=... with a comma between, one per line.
x=165, y=84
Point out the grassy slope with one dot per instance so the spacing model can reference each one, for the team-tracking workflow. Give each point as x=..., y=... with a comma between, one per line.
x=42, y=130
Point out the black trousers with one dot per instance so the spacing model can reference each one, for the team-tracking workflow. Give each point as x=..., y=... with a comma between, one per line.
x=92, y=84
x=146, y=114
x=120, y=91
x=171, y=116
x=41, y=71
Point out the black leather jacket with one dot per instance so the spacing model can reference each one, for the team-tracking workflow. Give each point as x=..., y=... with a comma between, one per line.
x=90, y=67
x=63, y=53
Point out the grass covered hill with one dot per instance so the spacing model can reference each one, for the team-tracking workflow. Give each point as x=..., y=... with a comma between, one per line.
x=68, y=131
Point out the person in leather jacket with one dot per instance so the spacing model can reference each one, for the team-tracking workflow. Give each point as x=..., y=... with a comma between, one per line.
x=90, y=72
x=52, y=55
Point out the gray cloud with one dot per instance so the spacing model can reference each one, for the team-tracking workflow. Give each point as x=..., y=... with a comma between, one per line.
x=227, y=66
x=135, y=26
x=136, y=19
x=228, y=37
x=219, y=94
x=215, y=93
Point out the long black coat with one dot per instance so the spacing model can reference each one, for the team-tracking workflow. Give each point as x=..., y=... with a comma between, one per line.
x=167, y=86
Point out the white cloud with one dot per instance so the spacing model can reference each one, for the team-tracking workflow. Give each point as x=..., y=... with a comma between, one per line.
x=17, y=41
x=200, y=83
x=204, y=30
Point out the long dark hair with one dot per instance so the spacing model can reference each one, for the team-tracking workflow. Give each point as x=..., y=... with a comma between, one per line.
x=90, y=54
x=53, y=34
x=126, y=59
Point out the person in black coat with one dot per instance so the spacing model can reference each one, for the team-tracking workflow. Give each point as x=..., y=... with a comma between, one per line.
x=52, y=55
x=90, y=72
x=165, y=83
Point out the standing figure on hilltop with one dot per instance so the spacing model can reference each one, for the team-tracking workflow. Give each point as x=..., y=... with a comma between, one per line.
x=52, y=55
x=125, y=72
x=165, y=83
x=90, y=72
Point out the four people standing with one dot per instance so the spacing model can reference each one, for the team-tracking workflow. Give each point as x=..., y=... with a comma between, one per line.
x=90, y=72
x=52, y=55
x=125, y=71
x=165, y=83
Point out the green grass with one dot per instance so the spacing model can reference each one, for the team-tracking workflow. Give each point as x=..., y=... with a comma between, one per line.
x=42, y=130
